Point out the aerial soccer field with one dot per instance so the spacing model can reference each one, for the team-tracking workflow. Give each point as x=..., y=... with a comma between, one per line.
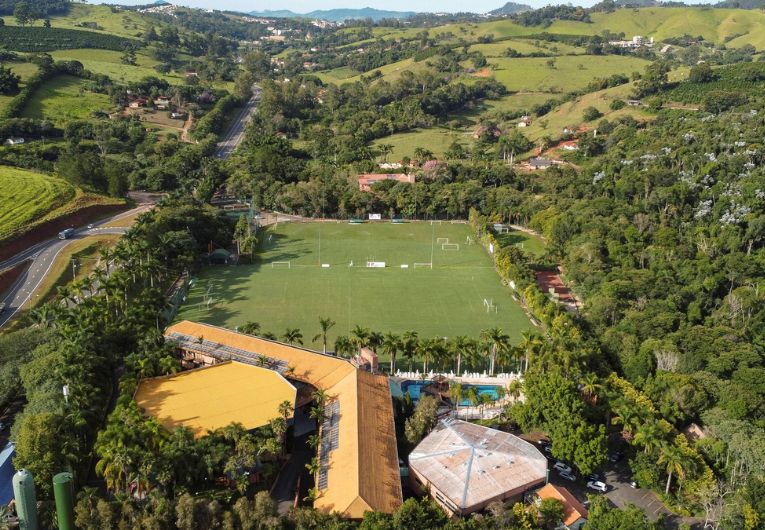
x=310, y=270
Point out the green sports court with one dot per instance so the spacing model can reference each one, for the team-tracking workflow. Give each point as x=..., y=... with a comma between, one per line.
x=308, y=270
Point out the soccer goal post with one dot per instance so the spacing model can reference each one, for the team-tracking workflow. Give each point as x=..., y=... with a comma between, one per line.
x=450, y=246
x=423, y=265
x=435, y=222
x=442, y=240
x=503, y=230
x=281, y=265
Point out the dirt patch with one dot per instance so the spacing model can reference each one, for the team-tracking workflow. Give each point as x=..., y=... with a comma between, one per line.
x=51, y=228
x=9, y=276
x=483, y=72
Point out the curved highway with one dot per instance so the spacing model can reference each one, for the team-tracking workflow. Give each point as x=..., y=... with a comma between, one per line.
x=43, y=255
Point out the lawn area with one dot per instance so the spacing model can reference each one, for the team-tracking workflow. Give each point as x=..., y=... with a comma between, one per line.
x=109, y=63
x=26, y=196
x=122, y=23
x=532, y=244
x=64, y=98
x=436, y=139
x=444, y=301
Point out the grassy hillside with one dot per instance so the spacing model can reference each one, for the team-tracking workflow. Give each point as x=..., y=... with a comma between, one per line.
x=64, y=98
x=532, y=74
x=26, y=196
x=109, y=63
x=121, y=23
x=735, y=27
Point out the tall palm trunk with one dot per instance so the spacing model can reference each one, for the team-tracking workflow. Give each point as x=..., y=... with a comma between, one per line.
x=669, y=482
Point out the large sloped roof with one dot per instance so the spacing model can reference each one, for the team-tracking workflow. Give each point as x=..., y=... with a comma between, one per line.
x=358, y=457
x=209, y=398
x=472, y=464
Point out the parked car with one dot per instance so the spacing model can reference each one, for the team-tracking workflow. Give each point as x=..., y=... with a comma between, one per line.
x=597, y=485
x=567, y=475
x=614, y=457
x=561, y=467
x=634, y=485
x=2, y=307
x=597, y=477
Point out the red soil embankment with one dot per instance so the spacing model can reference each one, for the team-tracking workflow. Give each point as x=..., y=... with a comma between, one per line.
x=9, y=276
x=51, y=228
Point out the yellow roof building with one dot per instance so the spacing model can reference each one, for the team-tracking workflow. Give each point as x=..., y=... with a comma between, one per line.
x=212, y=397
x=359, y=468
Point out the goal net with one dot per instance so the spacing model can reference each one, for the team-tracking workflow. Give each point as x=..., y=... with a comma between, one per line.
x=423, y=265
x=450, y=246
x=281, y=265
x=435, y=222
x=442, y=240
x=488, y=304
x=503, y=230
x=469, y=240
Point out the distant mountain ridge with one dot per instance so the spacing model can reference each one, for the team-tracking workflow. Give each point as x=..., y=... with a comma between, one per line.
x=511, y=8
x=337, y=15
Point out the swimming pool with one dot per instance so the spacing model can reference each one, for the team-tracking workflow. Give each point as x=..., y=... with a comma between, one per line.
x=415, y=390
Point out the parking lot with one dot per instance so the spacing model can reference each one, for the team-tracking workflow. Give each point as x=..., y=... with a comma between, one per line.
x=620, y=493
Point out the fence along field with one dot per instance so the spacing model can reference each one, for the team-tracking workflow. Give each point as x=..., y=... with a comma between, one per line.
x=312, y=270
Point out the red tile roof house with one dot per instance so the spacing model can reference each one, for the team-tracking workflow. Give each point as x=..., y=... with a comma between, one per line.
x=367, y=180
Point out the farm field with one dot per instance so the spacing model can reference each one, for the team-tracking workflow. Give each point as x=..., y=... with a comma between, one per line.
x=63, y=98
x=532, y=74
x=26, y=196
x=446, y=300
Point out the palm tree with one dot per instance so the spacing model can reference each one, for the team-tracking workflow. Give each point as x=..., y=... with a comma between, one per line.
x=497, y=341
x=515, y=389
x=385, y=150
x=409, y=345
x=649, y=435
x=531, y=344
x=459, y=345
x=456, y=391
x=391, y=345
x=293, y=336
x=625, y=414
x=343, y=346
x=673, y=458
x=250, y=328
x=360, y=337
x=590, y=387
x=375, y=340
x=325, y=324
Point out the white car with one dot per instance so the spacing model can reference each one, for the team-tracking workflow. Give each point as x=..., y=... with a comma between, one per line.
x=597, y=486
x=561, y=467
x=567, y=475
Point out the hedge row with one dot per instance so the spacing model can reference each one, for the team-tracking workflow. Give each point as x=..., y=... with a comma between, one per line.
x=214, y=121
x=40, y=39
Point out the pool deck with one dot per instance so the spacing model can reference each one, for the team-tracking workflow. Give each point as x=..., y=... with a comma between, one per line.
x=467, y=378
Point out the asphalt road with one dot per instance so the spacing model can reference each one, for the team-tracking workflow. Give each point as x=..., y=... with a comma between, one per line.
x=42, y=257
x=235, y=133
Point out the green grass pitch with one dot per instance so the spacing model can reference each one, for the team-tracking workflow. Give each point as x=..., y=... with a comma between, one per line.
x=444, y=301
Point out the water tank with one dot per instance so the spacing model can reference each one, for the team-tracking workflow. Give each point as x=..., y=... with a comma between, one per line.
x=26, y=500
x=63, y=491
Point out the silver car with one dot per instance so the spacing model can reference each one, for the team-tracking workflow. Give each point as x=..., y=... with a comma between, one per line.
x=597, y=486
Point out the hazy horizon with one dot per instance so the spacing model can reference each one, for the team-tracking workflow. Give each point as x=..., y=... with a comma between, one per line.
x=305, y=6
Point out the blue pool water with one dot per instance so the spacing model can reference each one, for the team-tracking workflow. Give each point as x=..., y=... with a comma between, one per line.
x=415, y=389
